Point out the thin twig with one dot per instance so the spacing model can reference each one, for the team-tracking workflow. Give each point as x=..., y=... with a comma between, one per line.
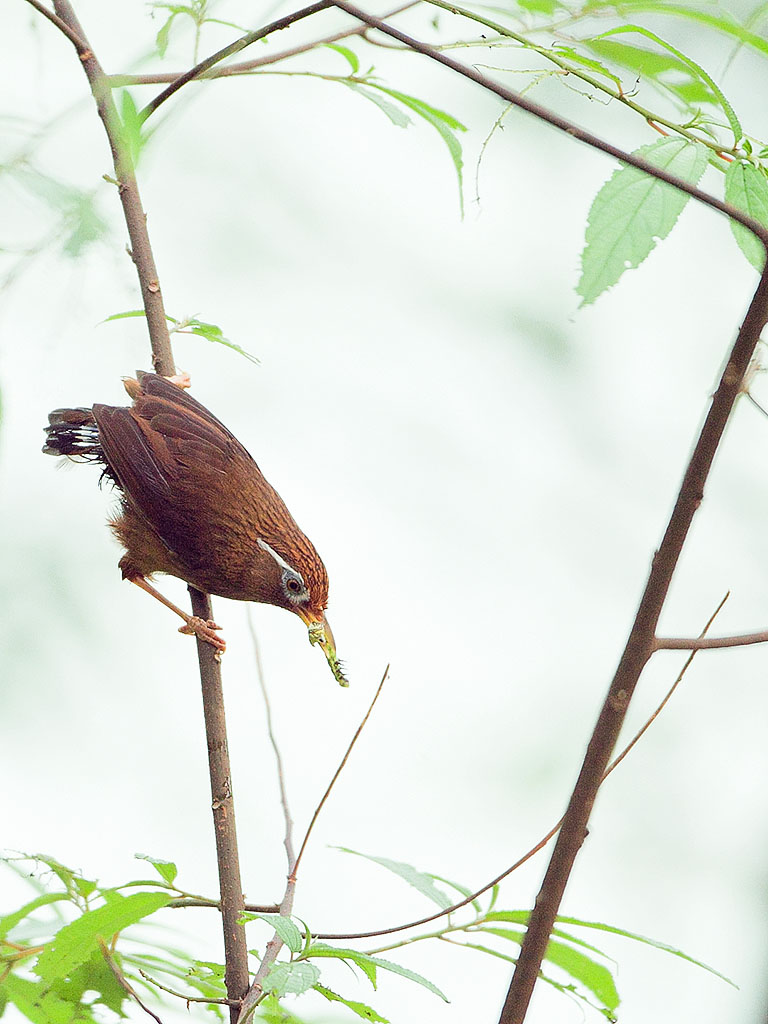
x=62, y=26
x=183, y=995
x=191, y=901
x=228, y=51
x=247, y=66
x=339, y=770
x=712, y=643
x=288, y=841
x=122, y=980
x=544, y=840
x=275, y=944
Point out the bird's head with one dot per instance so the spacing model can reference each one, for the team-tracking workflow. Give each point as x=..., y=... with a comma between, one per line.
x=301, y=586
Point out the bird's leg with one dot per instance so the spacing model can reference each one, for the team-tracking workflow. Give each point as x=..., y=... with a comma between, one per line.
x=193, y=624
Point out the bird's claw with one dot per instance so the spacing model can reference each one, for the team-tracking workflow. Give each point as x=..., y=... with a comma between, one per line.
x=204, y=630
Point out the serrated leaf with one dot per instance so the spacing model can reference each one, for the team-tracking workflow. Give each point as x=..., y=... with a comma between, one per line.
x=369, y=964
x=9, y=921
x=361, y=1009
x=73, y=944
x=165, y=868
x=746, y=187
x=632, y=211
x=95, y=975
x=36, y=1001
x=726, y=107
x=395, y=114
x=418, y=879
x=293, y=978
x=284, y=927
x=349, y=55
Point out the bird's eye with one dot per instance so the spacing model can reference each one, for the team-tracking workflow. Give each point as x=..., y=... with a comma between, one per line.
x=293, y=585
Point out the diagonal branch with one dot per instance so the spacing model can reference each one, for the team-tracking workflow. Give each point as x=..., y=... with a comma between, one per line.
x=229, y=50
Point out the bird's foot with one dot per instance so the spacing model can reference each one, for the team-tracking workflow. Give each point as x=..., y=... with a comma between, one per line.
x=181, y=380
x=203, y=629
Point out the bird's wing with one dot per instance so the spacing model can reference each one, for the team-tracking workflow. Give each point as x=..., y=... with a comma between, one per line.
x=177, y=464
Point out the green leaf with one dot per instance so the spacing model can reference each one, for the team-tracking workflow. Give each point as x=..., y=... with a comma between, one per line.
x=395, y=114
x=349, y=55
x=124, y=316
x=746, y=188
x=9, y=922
x=37, y=1002
x=165, y=868
x=73, y=944
x=612, y=930
x=418, y=879
x=271, y=1011
x=724, y=23
x=444, y=124
x=632, y=211
x=593, y=976
x=95, y=975
x=283, y=926
x=369, y=964
x=293, y=978
x=728, y=110
x=361, y=1009
x=134, y=135
x=574, y=57
x=162, y=37
x=662, y=69
x=212, y=333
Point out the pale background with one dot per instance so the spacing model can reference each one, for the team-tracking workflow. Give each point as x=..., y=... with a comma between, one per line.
x=486, y=472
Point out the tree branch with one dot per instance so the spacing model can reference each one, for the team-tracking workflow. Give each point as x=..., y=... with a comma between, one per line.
x=135, y=218
x=222, y=804
x=162, y=360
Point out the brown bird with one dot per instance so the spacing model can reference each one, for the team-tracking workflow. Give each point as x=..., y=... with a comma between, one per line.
x=195, y=505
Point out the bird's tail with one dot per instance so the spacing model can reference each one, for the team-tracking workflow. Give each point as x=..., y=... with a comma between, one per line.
x=73, y=432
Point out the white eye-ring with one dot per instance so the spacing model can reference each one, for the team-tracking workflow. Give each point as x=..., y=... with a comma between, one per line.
x=294, y=588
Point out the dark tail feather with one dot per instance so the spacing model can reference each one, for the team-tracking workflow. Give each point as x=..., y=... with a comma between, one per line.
x=73, y=432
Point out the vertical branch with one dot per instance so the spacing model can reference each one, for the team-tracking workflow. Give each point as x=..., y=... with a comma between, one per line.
x=135, y=218
x=223, y=806
x=236, y=955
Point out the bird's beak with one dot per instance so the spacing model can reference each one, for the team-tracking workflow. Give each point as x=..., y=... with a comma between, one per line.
x=320, y=633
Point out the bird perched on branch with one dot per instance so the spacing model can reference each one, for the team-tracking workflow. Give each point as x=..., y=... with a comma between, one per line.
x=195, y=505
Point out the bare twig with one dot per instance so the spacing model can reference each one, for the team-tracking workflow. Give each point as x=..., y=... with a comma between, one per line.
x=339, y=770
x=123, y=981
x=247, y=66
x=275, y=944
x=288, y=840
x=62, y=26
x=228, y=51
x=192, y=901
x=184, y=996
x=709, y=643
